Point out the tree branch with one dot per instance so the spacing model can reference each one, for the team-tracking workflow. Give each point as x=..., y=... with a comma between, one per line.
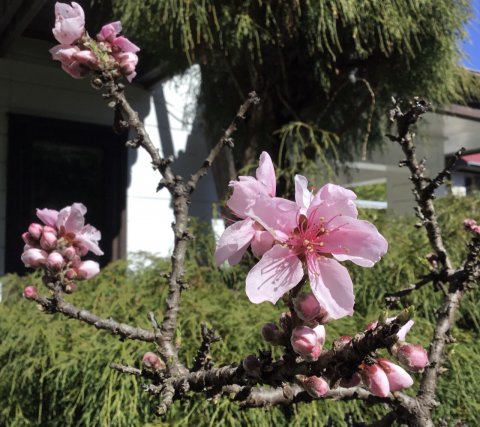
x=58, y=305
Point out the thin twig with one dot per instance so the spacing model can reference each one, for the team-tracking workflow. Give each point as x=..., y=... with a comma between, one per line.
x=58, y=305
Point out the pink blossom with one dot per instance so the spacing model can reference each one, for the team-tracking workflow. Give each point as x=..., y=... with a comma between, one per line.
x=87, y=269
x=127, y=62
x=48, y=241
x=327, y=232
x=315, y=386
x=69, y=23
x=86, y=57
x=30, y=292
x=66, y=55
x=376, y=380
x=34, y=257
x=413, y=356
x=109, y=31
x=398, y=378
x=239, y=236
x=70, y=222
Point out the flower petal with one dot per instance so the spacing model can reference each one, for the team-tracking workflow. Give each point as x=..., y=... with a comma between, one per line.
x=398, y=378
x=332, y=200
x=72, y=218
x=303, y=196
x=90, y=236
x=266, y=173
x=48, y=216
x=245, y=192
x=234, y=242
x=262, y=242
x=276, y=215
x=332, y=286
x=275, y=274
x=355, y=240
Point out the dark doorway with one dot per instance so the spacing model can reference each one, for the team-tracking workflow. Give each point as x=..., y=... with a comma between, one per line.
x=54, y=163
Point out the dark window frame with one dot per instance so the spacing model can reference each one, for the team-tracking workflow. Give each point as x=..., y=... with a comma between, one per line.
x=23, y=131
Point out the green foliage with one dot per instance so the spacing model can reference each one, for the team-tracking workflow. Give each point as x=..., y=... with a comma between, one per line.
x=54, y=371
x=329, y=65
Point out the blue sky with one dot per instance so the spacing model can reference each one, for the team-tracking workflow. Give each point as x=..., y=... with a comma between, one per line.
x=472, y=47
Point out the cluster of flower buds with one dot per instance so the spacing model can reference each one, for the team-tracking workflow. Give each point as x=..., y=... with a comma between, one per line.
x=59, y=244
x=382, y=376
x=471, y=225
x=79, y=53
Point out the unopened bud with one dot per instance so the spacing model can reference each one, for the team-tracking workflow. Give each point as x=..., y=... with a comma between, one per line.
x=308, y=309
x=412, y=356
x=252, y=365
x=48, y=229
x=30, y=292
x=82, y=250
x=152, y=362
x=69, y=253
x=35, y=230
x=88, y=269
x=55, y=261
x=70, y=287
x=28, y=239
x=398, y=378
x=353, y=381
x=71, y=274
x=272, y=334
x=303, y=340
x=34, y=257
x=316, y=386
x=48, y=241
x=375, y=378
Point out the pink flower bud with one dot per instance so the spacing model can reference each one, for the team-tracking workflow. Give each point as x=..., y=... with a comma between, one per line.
x=152, y=361
x=88, y=269
x=412, y=356
x=316, y=386
x=48, y=229
x=55, y=261
x=272, y=334
x=252, y=365
x=320, y=332
x=71, y=274
x=48, y=241
x=398, y=378
x=69, y=253
x=70, y=288
x=34, y=257
x=35, y=230
x=303, y=340
x=353, y=381
x=28, y=239
x=375, y=379
x=308, y=308
x=314, y=354
x=82, y=249
x=127, y=61
x=30, y=292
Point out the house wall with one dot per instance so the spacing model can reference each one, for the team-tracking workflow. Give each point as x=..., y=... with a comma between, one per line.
x=437, y=135
x=32, y=84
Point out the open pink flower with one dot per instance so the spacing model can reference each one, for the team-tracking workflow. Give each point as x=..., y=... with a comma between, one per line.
x=69, y=23
x=70, y=223
x=239, y=236
x=315, y=233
